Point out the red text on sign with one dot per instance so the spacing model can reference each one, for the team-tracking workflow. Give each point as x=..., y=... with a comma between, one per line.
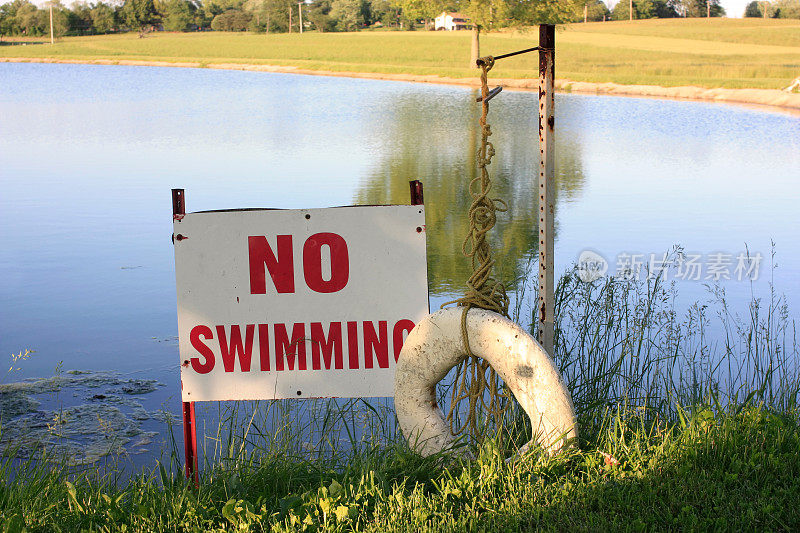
x=280, y=265
x=288, y=349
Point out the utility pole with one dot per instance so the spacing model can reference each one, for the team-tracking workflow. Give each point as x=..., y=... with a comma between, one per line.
x=290, y=18
x=475, y=49
x=708, y=9
x=546, y=304
x=52, y=34
x=585, y=13
x=630, y=9
x=300, y=14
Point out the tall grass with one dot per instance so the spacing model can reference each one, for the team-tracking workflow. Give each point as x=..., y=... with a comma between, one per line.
x=624, y=342
x=688, y=420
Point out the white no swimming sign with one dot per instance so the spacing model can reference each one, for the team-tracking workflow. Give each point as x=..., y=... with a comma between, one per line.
x=297, y=303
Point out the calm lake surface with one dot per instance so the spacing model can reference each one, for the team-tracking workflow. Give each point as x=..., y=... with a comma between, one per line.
x=88, y=155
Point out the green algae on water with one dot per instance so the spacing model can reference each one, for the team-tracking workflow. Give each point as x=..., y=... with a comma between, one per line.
x=83, y=433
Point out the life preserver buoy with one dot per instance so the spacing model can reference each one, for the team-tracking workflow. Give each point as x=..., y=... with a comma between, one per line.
x=435, y=346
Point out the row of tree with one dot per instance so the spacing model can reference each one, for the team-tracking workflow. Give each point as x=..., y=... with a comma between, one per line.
x=22, y=17
x=648, y=9
x=786, y=9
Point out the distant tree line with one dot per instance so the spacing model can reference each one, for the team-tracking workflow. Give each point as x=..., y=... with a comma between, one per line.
x=780, y=9
x=22, y=17
x=648, y=9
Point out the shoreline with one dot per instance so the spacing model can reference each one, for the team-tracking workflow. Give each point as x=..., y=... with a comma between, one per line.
x=774, y=98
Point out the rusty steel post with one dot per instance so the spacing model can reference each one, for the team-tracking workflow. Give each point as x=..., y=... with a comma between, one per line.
x=546, y=326
x=178, y=203
x=190, y=443
x=189, y=425
x=417, y=197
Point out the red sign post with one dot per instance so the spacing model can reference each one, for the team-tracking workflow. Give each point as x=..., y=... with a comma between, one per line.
x=189, y=426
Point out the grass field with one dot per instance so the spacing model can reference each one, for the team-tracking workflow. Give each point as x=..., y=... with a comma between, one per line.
x=731, y=53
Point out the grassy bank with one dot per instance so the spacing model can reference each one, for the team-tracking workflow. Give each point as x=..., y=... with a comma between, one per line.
x=727, y=471
x=731, y=53
x=687, y=421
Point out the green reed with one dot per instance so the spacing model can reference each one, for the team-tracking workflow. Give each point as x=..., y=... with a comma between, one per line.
x=624, y=342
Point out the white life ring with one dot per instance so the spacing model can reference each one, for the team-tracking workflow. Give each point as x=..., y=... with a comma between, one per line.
x=435, y=346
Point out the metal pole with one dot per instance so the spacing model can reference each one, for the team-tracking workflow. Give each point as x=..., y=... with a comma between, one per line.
x=189, y=425
x=190, y=443
x=547, y=42
x=178, y=203
x=479, y=61
x=417, y=197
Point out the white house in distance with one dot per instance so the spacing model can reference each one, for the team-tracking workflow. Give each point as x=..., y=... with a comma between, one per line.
x=452, y=21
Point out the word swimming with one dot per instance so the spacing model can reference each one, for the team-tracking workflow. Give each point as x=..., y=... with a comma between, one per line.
x=285, y=347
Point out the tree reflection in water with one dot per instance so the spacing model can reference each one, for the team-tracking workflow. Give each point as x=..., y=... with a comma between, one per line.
x=435, y=140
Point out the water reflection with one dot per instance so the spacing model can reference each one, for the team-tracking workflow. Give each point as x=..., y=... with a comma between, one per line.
x=436, y=142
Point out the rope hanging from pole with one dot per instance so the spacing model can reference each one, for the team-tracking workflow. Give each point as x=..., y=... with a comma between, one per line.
x=483, y=291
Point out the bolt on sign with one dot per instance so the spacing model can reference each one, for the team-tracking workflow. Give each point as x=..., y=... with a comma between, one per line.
x=297, y=303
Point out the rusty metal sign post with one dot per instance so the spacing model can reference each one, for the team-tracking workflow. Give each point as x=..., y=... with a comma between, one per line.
x=189, y=425
x=546, y=304
x=294, y=303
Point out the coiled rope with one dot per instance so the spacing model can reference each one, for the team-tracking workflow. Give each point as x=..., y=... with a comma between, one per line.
x=483, y=291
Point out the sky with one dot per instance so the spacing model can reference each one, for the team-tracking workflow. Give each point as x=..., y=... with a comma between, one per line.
x=735, y=8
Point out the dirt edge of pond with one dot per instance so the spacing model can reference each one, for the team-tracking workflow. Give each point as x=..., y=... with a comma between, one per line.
x=763, y=97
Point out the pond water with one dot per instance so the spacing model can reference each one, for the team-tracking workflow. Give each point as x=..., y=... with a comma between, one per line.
x=88, y=155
